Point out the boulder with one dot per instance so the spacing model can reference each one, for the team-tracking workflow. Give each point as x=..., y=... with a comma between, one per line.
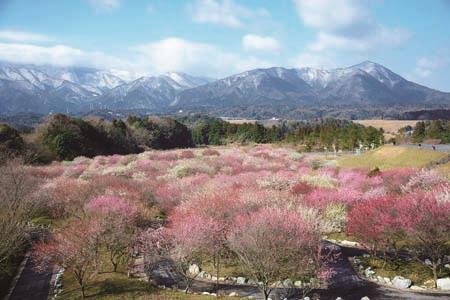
x=369, y=272
x=365, y=298
x=194, y=269
x=349, y=243
x=233, y=294
x=401, y=283
x=213, y=278
x=298, y=283
x=417, y=288
x=447, y=266
x=241, y=280
x=287, y=283
x=387, y=280
x=443, y=283
x=306, y=298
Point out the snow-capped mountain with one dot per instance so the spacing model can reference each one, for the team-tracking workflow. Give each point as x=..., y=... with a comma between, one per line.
x=154, y=93
x=364, y=85
x=44, y=89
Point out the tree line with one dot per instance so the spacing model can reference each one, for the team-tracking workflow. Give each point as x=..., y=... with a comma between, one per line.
x=62, y=137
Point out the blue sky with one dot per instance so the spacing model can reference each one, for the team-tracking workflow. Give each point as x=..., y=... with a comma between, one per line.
x=217, y=38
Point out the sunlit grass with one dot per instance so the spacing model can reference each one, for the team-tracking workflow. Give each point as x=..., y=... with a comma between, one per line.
x=389, y=157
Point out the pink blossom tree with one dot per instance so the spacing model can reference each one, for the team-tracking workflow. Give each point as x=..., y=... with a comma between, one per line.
x=73, y=247
x=117, y=218
x=272, y=243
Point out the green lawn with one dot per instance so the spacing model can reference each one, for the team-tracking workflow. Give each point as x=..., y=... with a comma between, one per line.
x=389, y=157
x=414, y=270
x=109, y=285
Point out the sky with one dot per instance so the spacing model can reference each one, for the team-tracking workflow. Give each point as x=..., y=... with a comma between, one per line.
x=217, y=38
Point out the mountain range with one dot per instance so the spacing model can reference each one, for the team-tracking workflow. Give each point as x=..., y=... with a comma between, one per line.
x=265, y=92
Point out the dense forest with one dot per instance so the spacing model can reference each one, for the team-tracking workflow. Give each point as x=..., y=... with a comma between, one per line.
x=436, y=131
x=60, y=137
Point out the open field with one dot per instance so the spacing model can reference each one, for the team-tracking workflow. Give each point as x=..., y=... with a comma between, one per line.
x=389, y=157
x=390, y=127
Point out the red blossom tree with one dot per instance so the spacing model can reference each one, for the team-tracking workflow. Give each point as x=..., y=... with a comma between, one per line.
x=428, y=226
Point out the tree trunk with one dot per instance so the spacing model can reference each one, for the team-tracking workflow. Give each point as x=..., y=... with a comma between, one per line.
x=434, y=267
x=82, y=292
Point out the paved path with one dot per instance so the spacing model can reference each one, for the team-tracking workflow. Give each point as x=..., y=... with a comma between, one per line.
x=31, y=285
x=439, y=147
x=345, y=283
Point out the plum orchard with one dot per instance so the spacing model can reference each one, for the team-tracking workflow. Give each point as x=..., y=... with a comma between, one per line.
x=266, y=208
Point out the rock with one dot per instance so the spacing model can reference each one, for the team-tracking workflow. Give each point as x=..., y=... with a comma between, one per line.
x=298, y=283
x=428, y=262
x=380, y=279
x=401, y=283
x=417, y=288
x=443, y=283
x=369, y=272
x=287, y=283
x=233, y=294
x=222, y=278
x=213, y=294
x=206, y=293
x=241, y=280
x=365, y=298
x=213, y=278
x=447, y=266
x=339, y=298
x=349, y=243
x=252, y=282
x=201, y=274
x=306, y=298
x=194, y=269
x=387, y=280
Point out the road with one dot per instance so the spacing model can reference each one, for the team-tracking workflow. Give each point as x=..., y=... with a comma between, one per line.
x=345, y=283
x=31, y=285
x=439, y=147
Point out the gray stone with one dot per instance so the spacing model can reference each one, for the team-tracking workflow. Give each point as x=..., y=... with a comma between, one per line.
x=287, y=283
x=194, y=269
x=241, y=280
x=417, y=288
x=369, y=272
x=306, y=298
x=298, y=283
x=443, y=283
x=401, y=283
x=233, y=294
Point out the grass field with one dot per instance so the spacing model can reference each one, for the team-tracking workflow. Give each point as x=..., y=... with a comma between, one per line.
x=444, y=170
x=388, y=157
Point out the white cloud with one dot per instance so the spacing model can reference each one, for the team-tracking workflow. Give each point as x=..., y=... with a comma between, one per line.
x=22, y=36
x=170, y=54
x=314, y=60
x=56, y=55
x=252, y=42
x=223, y=12
x=176, y=54
x=427, y=66
x=344, y=25
x=105, y=5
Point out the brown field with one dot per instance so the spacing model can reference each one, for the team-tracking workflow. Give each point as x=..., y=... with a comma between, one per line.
x=389, y=126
